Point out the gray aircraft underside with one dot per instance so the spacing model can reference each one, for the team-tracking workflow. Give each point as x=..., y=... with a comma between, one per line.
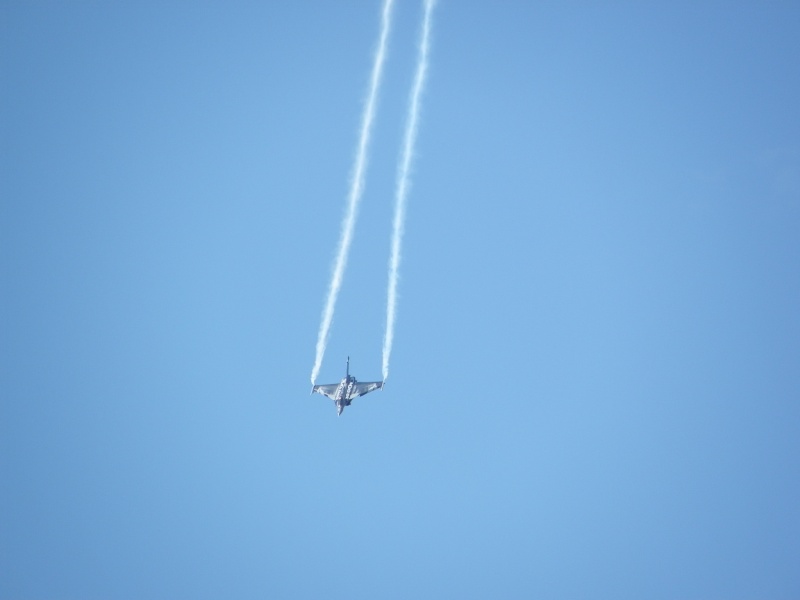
x=344, y=392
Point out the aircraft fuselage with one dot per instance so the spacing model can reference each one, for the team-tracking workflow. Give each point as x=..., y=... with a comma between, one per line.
x=345, y=393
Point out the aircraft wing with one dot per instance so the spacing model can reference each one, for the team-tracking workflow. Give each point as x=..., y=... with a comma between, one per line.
x=328, y=390
x=366, y=387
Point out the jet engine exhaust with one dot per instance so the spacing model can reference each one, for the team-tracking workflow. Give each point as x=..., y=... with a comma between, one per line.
x=356, y=190
x=403, y=183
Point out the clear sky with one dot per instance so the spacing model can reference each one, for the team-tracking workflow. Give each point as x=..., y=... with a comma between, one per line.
x=595, y=380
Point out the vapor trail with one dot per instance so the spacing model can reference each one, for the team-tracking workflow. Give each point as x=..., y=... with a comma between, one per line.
x=403, y=182
x=356, y=189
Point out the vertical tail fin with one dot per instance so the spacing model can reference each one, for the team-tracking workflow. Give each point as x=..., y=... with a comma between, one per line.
x=348, y=366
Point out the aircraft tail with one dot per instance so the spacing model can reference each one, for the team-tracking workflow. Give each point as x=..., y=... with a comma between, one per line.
x=348, y=366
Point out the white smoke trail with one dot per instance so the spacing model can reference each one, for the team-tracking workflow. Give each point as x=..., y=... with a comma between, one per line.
x=403, y=182
x=356, y=189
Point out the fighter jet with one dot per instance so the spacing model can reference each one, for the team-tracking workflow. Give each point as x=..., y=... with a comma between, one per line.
x=344, y=392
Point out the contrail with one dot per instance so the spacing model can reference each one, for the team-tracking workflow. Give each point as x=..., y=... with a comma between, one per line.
x=356, y=189
x=403, y=183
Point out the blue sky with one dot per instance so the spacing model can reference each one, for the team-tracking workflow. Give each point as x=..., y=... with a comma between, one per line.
x=594, y=384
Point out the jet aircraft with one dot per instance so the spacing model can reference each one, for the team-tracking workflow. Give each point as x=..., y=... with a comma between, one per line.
x=344, y=392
